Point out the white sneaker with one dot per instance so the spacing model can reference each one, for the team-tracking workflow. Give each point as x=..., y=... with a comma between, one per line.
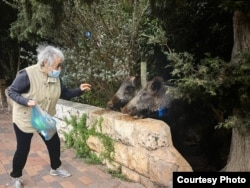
x=17, y=183
x=60, y=172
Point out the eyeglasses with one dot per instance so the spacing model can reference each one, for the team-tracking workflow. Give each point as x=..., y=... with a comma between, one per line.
x=59, y=65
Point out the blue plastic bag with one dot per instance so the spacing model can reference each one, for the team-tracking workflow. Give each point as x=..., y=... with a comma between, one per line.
x=43, y=122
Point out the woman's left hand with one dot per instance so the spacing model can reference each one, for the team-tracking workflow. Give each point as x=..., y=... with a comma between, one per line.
x=85, y=86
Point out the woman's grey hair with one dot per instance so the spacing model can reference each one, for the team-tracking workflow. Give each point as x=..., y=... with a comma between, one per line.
x=49, y=54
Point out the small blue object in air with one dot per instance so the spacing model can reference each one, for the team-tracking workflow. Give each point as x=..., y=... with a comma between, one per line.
x=87, y=34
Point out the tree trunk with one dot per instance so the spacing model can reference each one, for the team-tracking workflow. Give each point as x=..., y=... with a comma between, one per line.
x=239, y=156
x=143, y=73
x=241, y=26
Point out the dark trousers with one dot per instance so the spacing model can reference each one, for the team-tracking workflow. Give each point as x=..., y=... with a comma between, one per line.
x=23, y=148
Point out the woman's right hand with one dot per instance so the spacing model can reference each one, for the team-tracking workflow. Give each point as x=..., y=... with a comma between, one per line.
x=31, y=103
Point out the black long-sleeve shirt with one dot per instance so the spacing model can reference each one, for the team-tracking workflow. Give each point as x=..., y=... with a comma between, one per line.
x=21, y=84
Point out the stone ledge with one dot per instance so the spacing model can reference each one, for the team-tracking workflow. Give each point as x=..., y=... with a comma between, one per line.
x=3, y=100
x=143, y=149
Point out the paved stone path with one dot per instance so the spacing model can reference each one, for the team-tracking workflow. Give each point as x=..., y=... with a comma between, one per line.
x=36, y=171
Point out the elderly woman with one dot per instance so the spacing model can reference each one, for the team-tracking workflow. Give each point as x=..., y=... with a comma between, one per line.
x=38, y=84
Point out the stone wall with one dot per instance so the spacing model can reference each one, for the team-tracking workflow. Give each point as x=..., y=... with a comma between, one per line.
x=143, y=149
x=3, y=102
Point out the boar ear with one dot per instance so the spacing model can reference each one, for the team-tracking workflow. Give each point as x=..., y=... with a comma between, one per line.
x=137, y=81
x=157, y=83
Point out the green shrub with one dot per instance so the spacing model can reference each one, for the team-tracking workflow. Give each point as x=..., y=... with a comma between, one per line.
x=77, y=138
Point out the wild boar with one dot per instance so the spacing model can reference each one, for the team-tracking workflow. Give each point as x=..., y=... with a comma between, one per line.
x=128, y=89
x=191, y=124
x=151, y=101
